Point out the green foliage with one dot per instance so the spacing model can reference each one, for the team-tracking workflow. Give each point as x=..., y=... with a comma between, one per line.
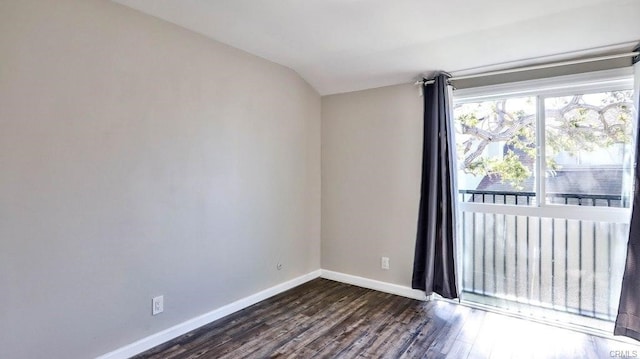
x=574, y=125
x=469, y=120
x=509, y=168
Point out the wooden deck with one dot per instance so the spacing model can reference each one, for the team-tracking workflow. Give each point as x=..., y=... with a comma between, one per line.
x=327, y=319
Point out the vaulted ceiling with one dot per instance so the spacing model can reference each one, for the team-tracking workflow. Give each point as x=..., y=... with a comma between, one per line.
x=347, y=45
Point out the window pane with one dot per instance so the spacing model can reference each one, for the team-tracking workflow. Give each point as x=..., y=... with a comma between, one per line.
x=496, y=150
x=544, y=267
x=588, y=142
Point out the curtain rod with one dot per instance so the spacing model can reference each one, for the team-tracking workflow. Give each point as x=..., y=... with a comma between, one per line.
x=536, y=67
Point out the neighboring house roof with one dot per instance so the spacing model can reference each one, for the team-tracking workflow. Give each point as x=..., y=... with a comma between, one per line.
x=589, y=180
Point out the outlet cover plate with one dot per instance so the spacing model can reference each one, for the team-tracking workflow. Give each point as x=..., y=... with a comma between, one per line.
x=157, y=305
x=384, y=263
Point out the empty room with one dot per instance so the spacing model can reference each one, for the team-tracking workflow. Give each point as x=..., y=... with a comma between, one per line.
x=319, y=179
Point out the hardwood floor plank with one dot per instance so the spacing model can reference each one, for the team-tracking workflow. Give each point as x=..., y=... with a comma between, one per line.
x=319, y=326
x=239, y=339
x=430, y=333
x=356, y=326
x=401, y=336
x=377, y=323
x=459, y=350
x=327, y=319
x=442, y=344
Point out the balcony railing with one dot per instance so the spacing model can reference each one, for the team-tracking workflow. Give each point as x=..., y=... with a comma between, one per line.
x=565, y=264
x=528, y=198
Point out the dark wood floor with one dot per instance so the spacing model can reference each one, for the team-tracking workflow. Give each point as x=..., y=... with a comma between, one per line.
x=327, y=319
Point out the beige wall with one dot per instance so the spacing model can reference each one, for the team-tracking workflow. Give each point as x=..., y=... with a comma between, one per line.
x=139, y=159
x=371, y=163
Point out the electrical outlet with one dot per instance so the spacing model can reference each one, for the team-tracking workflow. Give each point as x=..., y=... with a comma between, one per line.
x=384, y=263
x=157, y=305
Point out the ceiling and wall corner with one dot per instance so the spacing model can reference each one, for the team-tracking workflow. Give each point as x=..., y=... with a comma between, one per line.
x=342, y=46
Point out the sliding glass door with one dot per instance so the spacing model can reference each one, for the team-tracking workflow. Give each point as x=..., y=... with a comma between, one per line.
x=544, y=183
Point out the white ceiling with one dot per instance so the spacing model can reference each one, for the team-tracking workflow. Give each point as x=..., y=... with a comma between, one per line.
x=347, y=45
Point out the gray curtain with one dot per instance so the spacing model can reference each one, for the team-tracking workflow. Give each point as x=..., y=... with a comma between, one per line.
x=434, y=268
x=628, y=320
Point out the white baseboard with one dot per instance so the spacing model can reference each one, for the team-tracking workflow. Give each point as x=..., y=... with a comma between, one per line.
x=374, y=284
x=191, y=324
x=161, y=337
